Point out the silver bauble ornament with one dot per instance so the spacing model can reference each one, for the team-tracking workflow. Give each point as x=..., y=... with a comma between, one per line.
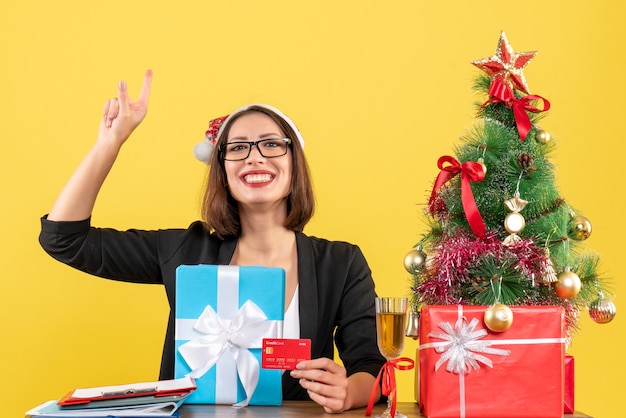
x=602, y=310
x=413, y=325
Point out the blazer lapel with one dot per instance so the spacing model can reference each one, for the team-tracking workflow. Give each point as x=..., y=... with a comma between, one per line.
x=307, y=284
x=226, y=251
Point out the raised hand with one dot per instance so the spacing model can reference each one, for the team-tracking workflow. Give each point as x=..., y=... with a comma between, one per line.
x=121, y=115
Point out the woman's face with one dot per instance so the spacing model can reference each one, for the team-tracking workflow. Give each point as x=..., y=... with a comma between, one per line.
x=258, y=180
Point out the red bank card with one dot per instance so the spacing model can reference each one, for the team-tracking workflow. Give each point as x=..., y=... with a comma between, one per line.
x=284, y=354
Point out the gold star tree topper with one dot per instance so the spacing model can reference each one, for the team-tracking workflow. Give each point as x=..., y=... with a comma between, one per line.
x=506, y=65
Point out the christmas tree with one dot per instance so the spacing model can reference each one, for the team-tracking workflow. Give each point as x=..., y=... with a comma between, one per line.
x=500, y=233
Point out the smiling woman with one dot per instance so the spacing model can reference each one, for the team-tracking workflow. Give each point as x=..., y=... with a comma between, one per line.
x=258, y=199
x=256, y=177
x=259, y=121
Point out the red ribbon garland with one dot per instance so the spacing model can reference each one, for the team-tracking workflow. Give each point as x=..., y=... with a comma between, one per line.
x=388, y=374
x=470, y=171
x=501, y=92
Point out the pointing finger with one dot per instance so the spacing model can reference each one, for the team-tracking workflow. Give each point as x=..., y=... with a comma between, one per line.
x=145, y=88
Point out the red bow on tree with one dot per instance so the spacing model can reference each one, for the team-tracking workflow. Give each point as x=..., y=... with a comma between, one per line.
x=388, y=374
x=470, y=171
x=500, y=92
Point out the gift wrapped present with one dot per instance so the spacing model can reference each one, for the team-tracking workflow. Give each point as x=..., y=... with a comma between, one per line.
x=569, y=385
x=467, y=370
x=222, y=315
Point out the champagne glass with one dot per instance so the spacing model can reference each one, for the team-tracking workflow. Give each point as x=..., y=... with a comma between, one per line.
x=390, y=325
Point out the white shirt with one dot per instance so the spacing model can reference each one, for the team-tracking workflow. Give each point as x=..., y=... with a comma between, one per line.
x=291, y=322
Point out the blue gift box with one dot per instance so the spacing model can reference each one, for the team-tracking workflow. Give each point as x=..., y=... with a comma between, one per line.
x=222, y=315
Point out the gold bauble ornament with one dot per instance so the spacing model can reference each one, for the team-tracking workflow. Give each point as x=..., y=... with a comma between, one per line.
x=514, y=223
x=498, y=317
x=579, y=228
x=542, y=136
x=602, y=310
x=567, y=284
x=414, y=260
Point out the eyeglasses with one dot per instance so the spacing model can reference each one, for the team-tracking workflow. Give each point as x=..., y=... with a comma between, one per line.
x=268, y=148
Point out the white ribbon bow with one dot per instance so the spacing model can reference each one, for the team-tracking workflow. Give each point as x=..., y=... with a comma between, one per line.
x=462, y=347
x=245, y=330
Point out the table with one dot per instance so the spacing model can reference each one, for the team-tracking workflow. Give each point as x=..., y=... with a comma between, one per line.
x=295, y=409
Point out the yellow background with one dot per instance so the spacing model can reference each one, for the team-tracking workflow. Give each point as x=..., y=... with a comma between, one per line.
x=380, y=90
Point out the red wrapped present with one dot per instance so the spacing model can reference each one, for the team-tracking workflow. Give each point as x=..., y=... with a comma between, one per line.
x=466, y=370
x=568, y=407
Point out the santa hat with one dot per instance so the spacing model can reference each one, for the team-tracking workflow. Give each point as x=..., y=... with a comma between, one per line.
x=203, y=150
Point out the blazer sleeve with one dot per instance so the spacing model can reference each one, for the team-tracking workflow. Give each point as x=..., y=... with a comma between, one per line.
x=121, y=255
x=355, y=335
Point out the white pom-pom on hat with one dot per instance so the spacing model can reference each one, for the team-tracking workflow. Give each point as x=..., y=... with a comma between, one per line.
x=203, y=150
